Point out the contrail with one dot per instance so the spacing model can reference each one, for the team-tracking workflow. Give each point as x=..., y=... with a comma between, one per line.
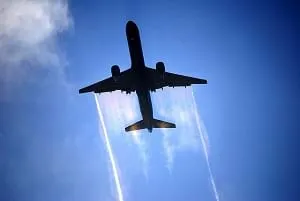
x=110, y=153
x=204, y=141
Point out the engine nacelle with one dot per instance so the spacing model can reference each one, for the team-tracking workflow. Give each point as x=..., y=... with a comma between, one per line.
x=115, y=72
x=160, y=67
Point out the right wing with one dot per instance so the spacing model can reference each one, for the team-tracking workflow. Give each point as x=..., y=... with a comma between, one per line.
x=172, y=79
x=124, y=83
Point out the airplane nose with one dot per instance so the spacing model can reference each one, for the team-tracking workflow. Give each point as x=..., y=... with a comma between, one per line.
x=130, y=26
x=130, y=23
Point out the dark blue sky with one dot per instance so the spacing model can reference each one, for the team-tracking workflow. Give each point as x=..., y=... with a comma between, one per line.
x=249, y=52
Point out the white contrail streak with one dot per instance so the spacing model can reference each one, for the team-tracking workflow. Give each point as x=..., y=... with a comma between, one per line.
x=204, y=141
x=110, y=153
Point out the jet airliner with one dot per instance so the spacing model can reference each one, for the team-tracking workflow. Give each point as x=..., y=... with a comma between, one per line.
x=141, y=79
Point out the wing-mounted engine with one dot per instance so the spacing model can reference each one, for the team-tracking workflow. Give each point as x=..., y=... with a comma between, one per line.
x=126, y=91
x=115, y=72
x=160, y=68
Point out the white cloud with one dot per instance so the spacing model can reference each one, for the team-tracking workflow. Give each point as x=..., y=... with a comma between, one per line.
x=173, y=105
x=176, y=105
x=121, y=110
x=28, y=36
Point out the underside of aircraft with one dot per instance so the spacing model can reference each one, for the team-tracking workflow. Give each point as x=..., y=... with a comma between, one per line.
x=142, y=80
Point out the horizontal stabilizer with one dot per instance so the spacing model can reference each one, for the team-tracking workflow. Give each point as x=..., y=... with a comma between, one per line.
x=136, y=126
x=155, y=124
x=162, y=124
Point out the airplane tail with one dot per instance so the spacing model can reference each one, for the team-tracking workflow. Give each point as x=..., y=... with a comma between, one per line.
x=162, y=124
x=155, y=124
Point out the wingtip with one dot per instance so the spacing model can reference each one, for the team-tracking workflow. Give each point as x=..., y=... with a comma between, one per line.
x=81, y=91
x=203, y=81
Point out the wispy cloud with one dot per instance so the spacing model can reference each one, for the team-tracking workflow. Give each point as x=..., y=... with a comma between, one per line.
x=205, y=145
x=180, y=106
x=115, y=171
x=176, y=105
x=142, y=147
x=29, y=32
x=121, y=110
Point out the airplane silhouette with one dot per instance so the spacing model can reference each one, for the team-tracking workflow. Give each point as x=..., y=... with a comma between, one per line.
x=141, y=79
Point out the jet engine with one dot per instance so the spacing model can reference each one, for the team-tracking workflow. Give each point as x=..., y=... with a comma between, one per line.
x=115, y=72
x=160, y=67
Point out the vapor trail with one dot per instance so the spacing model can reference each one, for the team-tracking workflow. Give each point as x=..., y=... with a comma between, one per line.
x=204, y=141
x=109, y=151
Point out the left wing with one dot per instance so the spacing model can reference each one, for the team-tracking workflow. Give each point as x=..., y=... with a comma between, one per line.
x=171, y=79
x=124, y=83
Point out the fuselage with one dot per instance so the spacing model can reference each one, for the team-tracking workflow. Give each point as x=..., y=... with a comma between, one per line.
x=138, y=67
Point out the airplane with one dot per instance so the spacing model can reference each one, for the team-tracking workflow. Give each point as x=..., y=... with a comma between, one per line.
x=141, y=79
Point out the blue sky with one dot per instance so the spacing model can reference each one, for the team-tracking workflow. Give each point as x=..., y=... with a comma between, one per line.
x=50, y=148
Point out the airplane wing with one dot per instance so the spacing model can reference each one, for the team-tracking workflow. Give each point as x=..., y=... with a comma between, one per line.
x=124, y=83
x=171, y=79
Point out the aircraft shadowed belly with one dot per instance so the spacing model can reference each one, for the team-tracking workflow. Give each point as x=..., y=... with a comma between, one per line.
x=141, y=79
